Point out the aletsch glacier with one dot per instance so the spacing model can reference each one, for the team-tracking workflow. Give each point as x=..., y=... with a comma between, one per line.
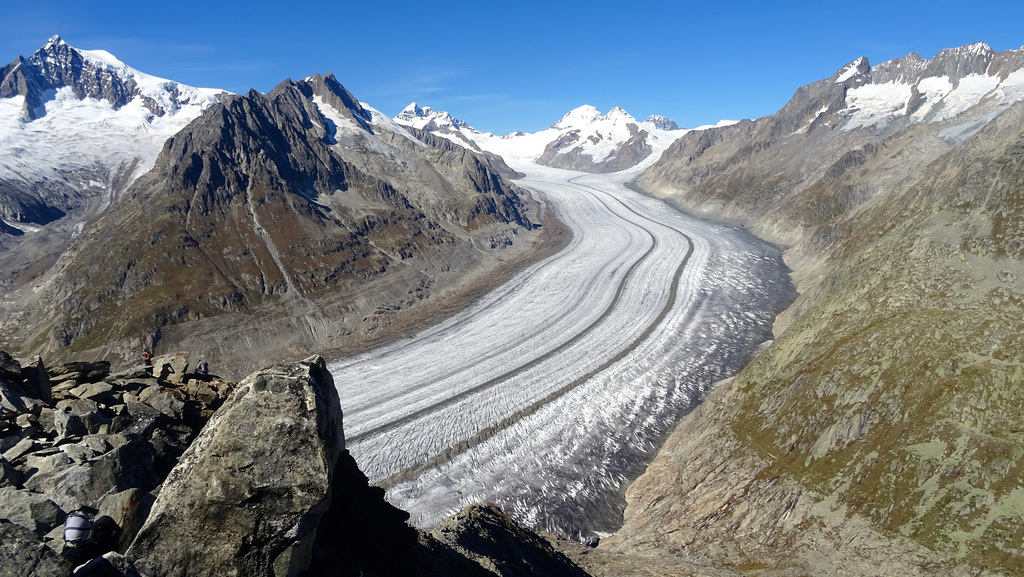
x=556, y=388
x=585, y=420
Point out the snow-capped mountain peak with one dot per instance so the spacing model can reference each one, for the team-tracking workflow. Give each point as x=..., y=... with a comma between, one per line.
x=95, y=74
x=413, y=111
x=584, y=139
x=426, y=118
x=661, y=122
x=859, y=66
x=617, y=115
x=578, y=117
x=86, y=123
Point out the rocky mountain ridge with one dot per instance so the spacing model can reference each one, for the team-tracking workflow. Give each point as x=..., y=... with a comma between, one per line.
x=268, y=210
x=876, y=433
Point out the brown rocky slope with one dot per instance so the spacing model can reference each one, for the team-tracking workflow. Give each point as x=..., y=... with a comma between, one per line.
x=880, y=432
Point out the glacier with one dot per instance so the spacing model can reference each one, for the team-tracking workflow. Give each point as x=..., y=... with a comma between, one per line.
x=552, y=392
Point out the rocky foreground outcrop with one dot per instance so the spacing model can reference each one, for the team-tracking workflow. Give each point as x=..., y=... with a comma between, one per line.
x=187, y=474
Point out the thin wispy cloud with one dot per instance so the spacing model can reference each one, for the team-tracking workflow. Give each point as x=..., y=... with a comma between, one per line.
x=423, y=80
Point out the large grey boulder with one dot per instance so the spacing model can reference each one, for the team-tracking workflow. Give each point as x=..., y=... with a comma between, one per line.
x=127, y=466
x=80, y=371
x=166, y=400
x=9, y=367
x=172, y=367
x=23, y=553
x=112, y=564
x=35, y=512
x=486, y=535
x=129, y=510
x=79, y=417
x=246, y=497
x=9, y=476
x=13, y=397
x=37, y=379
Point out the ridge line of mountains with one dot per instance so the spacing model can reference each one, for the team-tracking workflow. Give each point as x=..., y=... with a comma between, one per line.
x=878, y=433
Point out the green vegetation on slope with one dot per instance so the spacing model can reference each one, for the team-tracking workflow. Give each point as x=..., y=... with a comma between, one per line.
x=900, y=391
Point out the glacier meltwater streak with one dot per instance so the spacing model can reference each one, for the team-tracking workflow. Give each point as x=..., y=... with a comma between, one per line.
x=552, y=392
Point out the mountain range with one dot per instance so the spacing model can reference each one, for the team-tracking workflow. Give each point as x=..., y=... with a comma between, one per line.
x=79, y=127
x=879, y=432
x=266, y=207
x=584, y=139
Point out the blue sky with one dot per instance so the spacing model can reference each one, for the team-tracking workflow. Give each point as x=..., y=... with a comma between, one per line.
x=519, y=65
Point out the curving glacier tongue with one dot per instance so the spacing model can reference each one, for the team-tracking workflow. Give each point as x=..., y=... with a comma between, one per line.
x=551, y=393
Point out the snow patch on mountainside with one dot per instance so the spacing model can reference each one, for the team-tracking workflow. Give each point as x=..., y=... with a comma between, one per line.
x=968, y=94
x=172, y=96
x=933, y=89
x=937, y=99
x=346, y=130
x=876, y=104
x=380, y=120
x=1012, y=89
x=76, y=134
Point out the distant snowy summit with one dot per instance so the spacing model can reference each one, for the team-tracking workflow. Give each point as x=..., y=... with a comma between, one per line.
x=661, y=123
x=593, y=142
x=76, y=125
x=426, y=118
x=584, y=139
